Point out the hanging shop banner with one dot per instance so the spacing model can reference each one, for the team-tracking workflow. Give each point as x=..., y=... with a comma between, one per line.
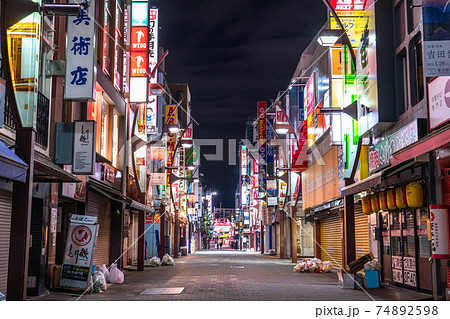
x=244, y=160
x=439, y=231
x=151, y=113
x=79, y=252
x=262, y=146
x=156, y=165
x=153, y=43
x=436, y=38
x=380, y=155
x=80, y=55
x=270, y=150
x=84, y=148
x=320, y=183
x=170, y=118
x=439, y=101
x=309, y=96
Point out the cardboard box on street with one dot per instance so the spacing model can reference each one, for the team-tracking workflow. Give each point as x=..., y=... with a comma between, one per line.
x=346, y=281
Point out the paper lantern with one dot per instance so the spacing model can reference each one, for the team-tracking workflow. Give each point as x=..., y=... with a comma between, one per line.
x=400, y=197
x=414, y=194
x=383, y=200
x=374, y=201
x=365, y=202
x=391, y=198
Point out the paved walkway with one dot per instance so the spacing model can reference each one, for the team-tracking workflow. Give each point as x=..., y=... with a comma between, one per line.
x=232, y=276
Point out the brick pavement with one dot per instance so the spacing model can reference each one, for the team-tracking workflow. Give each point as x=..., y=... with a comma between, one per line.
x=225, y=275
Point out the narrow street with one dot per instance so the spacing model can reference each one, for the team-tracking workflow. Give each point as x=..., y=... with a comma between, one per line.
x=227, y=275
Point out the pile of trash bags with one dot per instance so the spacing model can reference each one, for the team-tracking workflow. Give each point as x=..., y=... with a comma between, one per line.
x=98, y=282
x=313, y=265
x=167, y=261
x=372, y=265
x=155, y=261
x=102, y=275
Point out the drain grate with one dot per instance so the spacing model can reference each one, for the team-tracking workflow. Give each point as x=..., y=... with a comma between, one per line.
x=162, y=291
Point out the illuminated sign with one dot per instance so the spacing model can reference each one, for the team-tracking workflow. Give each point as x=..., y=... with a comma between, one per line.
x=139, y=38
x=309, y=95
x=262, y=145
x=80, y=55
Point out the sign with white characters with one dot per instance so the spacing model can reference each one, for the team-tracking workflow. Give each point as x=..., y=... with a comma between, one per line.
x=80, y=54
x=79, y=252
x=84, y=148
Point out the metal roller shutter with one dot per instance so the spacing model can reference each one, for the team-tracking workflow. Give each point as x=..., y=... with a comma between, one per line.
x=5, y=227
x=331, y=240
x=99, y=206
x=361, y=232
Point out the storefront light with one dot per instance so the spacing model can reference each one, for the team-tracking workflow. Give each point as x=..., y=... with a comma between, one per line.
x=329, y=37
x=186, y=143
x=173, y=128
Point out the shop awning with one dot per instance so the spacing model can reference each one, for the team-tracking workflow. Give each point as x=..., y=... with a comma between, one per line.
x=45, y=171
x=107, y=191
x=139, y=206
x=362, y=185
x=429, y=143
x=11, y=166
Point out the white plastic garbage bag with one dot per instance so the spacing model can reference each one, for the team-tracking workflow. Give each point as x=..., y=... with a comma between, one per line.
x=326, y=266
x=115, y=275
x=300, y=267
x=372, y=265
x=104, y=271
x=167, y=261
x=98, y=281
x=155, y=261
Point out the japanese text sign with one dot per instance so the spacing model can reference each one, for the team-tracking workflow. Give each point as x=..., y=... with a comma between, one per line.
x=80, y=55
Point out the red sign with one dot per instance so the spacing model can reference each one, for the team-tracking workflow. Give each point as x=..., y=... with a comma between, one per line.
x=139, y=62
x=139, y=38
x=81, y=235
x=309, y=95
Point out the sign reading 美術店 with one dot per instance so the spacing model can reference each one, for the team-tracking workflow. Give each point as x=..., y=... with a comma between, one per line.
x=84, y=148
x=380, y=155
x=80, y=54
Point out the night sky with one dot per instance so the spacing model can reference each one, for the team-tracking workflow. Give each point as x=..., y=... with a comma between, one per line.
x=232, y=54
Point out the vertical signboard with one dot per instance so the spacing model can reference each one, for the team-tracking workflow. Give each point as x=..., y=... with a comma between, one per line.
x=139, y=52
x=152, y=102
x=79, y=252
x=262, y=145
x=170, y=118
x=84, y=148
x=270, y=157
x=439, y=231
x=436, y=37
x=80, y=54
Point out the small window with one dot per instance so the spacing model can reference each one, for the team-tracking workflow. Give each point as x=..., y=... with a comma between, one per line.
x=401, y=82
x=416, y=63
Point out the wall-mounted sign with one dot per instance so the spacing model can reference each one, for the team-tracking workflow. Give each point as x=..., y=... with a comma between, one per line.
x=138, y=63
x=309, y=100
x=262, y=146
x=80, y=54
x=139, y=38
x=79, y=252
x=436, y=38
x=439, y=101
x=320, y=183
x=84, y=148
x=380, y=155
x=439, y=231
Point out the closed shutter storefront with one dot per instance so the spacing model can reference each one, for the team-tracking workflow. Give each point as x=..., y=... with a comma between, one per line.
x=446, y=201
x=361, y=232
x=5, y=227
x=331, y=240
x=99, y=206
